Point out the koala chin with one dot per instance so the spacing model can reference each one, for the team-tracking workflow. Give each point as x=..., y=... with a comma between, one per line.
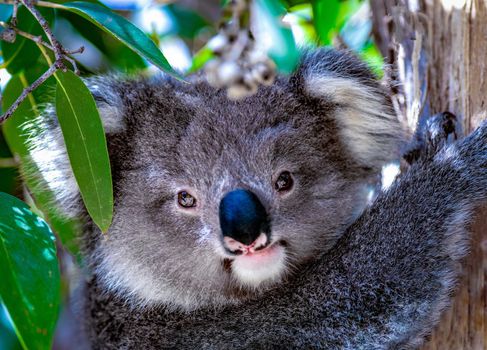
x=241, y=224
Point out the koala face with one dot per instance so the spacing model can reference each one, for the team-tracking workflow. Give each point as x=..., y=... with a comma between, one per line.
x=216, y=200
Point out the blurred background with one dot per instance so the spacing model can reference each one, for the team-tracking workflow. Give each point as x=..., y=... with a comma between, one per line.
x=181, y=29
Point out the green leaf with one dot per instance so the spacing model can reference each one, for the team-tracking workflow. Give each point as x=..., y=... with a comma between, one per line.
x=29, y=268
x=200, y=59
x=5, y=12
x=123, y=30
x=86, y=145
x=325, y=16
x=348, y=8
x=188, y=23
x=282, y=48
x=23, y=53
x=117, y=53
x=8, y=338
x=373, y=57
x=8, y=175
x=18, y=142
x=291, y=3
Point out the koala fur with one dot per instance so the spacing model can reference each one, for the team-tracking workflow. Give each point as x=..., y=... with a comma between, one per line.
x=344, y=278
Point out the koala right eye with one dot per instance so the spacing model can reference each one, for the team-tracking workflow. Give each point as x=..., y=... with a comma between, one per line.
x=186, y=200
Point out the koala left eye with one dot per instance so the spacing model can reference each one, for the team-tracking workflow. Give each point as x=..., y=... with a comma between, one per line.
x=284, y=182
x=186, y=200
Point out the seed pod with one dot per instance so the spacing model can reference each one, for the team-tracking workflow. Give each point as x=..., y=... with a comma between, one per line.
x=211, y=72
x=254, y=56
x=8, y=35
x=228, y=72
x=218, y=43
x=251, y=84
x=264, y=72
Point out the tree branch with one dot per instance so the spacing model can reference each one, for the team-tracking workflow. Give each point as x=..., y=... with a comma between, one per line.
x=47, y=74
x=38, y=40
x=60, y=53
x=56, y=45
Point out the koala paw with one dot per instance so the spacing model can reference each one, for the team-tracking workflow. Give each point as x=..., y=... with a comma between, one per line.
x=433, y=134
x=440, y=129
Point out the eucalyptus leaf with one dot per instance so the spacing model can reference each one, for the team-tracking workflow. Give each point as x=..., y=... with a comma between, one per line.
x=117, y=53
x=200, y=59
x=23, y=53
x=374, y=58
x=8, y=338
x=18, y=141
x=123, y=30
x=30, y=287
x=86, y=145
x=279, y=39
x=188, y=23
x=5, y=12
x=325, y=16
x=8, y=175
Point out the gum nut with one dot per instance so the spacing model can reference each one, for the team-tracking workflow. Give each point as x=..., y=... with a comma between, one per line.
x=263, y=73
x=255, y=56
x=212, y=79
x=8, y=35
x=250, y=82
x=228, y=72
x=218, y=43
x=211, y=72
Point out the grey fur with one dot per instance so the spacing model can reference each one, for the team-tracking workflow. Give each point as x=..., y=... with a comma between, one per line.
x=158, y=279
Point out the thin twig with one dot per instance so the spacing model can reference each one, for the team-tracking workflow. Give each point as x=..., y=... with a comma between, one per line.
x=47, y=74
x=60, y=53
x=13, y=19
x=38, y=40
x=57, y=47
x=37, y=3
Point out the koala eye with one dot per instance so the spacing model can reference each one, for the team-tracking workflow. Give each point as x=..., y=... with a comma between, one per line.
x=284, y=182
x=186, y=200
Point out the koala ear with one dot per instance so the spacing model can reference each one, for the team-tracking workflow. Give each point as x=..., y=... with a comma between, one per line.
x=48, y=151
x=367, y=123
x=108, y=92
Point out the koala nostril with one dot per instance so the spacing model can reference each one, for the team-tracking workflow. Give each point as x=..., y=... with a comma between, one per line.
x=238, y=248
x=243, y=218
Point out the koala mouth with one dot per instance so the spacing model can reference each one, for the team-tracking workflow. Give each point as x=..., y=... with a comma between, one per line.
x=252, y=268
x=235, y=247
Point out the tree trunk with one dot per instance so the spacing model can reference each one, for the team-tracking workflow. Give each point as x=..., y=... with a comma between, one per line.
x=439, y=51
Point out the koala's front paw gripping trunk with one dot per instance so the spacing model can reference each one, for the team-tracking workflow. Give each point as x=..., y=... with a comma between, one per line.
x=402, y=257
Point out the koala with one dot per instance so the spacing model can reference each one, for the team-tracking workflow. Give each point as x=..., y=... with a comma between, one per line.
x=246, y=224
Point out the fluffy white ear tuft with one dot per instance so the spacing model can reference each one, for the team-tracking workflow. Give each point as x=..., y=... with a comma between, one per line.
x=48, y=151
x=367, y=123
x=109, y=103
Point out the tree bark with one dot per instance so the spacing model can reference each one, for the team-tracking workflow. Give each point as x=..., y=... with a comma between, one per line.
x=438, y=53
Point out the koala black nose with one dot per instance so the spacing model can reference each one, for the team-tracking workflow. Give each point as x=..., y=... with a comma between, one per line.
x=242, y=216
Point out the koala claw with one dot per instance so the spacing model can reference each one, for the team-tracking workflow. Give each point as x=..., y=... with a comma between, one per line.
x=431, y=135
x=441, y=129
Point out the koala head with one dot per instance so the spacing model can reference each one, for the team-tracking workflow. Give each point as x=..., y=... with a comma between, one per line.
x=217, y=200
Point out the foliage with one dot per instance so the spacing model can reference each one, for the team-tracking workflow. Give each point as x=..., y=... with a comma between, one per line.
x=31, y=294
x=35, y=65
